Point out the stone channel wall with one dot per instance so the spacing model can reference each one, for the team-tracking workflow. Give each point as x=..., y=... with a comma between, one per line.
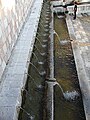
x=13, y=14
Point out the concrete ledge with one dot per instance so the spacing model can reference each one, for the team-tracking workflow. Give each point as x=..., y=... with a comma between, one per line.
x=83, y=80
x=82, y=73
x=14, y=77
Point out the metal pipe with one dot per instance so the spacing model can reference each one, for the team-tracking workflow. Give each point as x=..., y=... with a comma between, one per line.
x=49, y=82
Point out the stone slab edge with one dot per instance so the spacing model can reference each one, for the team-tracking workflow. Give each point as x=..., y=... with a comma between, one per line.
x=30, y=52
x=83, y=79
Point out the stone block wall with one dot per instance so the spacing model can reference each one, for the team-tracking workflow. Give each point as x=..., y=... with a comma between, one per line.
x=12, y=16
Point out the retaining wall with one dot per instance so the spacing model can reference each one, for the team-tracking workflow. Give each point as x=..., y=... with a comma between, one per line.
x=13, y=14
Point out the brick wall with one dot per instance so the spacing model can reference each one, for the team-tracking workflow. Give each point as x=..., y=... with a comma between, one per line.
x=12, y=17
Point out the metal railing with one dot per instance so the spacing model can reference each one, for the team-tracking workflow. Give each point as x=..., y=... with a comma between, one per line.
x=84, y=8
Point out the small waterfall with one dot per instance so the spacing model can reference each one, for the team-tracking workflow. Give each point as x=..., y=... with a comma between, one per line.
x=56, y=35
x=41, y=25
x=39, y=62
x=32, y=80
x=39, y=34
x=40, y=73
x=28, y=114
x=46, y=30
x=44, y=17
x=35, y=56
x=40, y=42
x=68, y=95
x=44, y=35
x=42, y=54
x=60, y=87
x=46, y=25
x=62, y=42
x=39, y=87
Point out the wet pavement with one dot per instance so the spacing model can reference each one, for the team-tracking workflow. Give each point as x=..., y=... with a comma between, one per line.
x=79, y=31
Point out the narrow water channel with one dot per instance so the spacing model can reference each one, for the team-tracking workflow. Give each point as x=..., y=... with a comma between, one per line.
x=68, y=101
x=33, y=93
x=67, y=95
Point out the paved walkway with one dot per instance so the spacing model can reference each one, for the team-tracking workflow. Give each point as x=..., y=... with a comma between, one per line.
x=79, y=31
x=14, y=77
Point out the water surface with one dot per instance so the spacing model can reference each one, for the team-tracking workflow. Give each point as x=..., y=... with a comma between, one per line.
x=66, y=75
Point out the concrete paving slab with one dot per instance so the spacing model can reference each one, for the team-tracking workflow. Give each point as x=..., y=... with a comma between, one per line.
x=6, y=113
x=15, y=70
x=13, y=83
x=82, y=57
x=8, y=101
x=10, y=91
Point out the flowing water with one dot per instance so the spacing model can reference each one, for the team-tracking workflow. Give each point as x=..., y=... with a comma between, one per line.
x=30, y=117
x=68, y=100
x=42, y=54
x=40, y=73
x=69, y=105
x=32, y=94
x=43, y=45
x=39, y=62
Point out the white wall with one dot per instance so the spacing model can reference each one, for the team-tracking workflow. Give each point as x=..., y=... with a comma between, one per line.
x=12, y=17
